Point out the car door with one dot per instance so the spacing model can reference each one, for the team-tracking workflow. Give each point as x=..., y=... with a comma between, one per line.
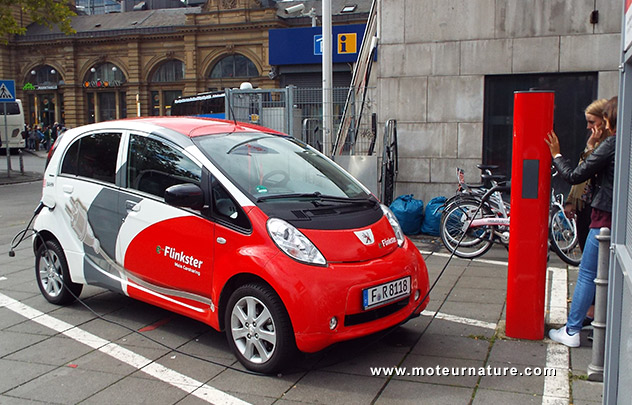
x=88, y=196
x=166, y=251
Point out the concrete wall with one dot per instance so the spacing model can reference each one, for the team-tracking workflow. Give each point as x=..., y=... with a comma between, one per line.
x=433, y=58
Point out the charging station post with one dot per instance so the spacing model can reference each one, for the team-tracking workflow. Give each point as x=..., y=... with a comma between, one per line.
x=530, y=201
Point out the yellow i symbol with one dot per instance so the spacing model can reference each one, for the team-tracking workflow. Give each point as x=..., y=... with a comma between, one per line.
x=347, y=43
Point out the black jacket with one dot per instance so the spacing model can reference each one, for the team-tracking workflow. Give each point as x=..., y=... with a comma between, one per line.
x=598, y=166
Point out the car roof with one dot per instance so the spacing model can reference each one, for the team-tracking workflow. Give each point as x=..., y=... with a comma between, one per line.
x=187, y=126
x=196, y=126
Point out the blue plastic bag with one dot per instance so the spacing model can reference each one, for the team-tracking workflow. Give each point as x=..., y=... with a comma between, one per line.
x=432, y=218
x=409, y=212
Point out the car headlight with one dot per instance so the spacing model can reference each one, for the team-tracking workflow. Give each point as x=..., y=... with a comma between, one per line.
x=293, y=243
x=392, y=219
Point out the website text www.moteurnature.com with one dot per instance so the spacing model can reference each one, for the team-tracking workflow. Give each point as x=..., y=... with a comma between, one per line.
x=462, y=371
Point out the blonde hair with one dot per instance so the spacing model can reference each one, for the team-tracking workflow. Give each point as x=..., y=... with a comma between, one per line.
x=596, y=107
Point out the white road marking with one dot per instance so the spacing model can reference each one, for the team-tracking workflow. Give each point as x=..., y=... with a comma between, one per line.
x=174, y=378
x=557, y=388
x=477, y=260
x=459, y=319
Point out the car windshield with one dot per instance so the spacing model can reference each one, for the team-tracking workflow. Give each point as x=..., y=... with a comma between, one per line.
x=272, y=168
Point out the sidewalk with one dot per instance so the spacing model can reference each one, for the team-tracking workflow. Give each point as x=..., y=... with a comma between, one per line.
x=571, y=385
x=17, y=176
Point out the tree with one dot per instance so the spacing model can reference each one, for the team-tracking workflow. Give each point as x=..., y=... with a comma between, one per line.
x=44, y=12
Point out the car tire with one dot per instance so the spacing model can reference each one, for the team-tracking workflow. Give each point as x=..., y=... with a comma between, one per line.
x=53, y=277
x=258, y=328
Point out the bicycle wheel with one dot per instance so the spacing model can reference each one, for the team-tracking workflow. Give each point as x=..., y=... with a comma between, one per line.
x=456, y=234
x=563, y=236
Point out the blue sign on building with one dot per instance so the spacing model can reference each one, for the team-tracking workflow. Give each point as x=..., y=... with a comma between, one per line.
x=318, y=44
x=301, y=46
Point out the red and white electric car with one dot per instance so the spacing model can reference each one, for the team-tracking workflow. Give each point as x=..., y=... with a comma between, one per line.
x=235, y=225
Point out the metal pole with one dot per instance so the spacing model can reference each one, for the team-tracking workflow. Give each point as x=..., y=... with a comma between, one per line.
x=6, y=136
x=21, y=159
x=327, y=79
x=595, y=368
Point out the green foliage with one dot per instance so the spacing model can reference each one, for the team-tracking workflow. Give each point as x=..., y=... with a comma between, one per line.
x=49, y=13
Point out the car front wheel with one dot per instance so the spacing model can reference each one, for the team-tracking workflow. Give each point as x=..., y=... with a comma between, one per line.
x=258, y=328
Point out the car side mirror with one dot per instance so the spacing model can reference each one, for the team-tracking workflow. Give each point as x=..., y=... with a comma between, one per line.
x=185, y=195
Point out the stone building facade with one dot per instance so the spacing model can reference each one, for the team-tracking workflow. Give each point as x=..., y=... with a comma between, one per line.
x=119, y=65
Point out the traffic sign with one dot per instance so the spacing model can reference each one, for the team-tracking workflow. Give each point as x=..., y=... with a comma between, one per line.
x=7, y=90
x=318, y=44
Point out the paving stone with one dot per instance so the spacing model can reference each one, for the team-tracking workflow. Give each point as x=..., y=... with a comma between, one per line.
x=481, y=312
x=61, y=386
x=502, y=380
x=486, y=396
x=519, y=352
x=458, y=347
x=414, y=393
x=20, y=373
x=334, y=389
x=239, y=380
x=589, y=391
x=442, y=327
x=13, y=342
x=440, y=370
x=54, y=351
x=136, y=390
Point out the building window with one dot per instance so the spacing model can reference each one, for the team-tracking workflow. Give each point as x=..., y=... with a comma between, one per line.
x=45, y=96
x=234, y=66
x=162, y=97
x=105, y=93
x=170, y=71
x=573, y=93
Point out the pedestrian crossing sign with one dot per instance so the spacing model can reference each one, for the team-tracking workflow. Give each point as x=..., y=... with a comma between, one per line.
x=7, y=90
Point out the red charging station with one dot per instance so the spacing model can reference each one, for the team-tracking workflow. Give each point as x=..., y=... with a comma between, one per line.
x=530, y=200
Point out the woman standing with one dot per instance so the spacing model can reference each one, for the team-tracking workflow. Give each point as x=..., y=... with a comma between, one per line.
x=599, y=167
x=580, y=195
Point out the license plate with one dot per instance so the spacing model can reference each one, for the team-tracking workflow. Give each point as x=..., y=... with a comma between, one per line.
x=386, y=292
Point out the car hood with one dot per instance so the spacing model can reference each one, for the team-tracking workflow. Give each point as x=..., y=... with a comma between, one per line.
x=354, y=245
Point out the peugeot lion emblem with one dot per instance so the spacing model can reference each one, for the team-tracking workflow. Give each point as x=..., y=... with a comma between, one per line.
x=365, y=236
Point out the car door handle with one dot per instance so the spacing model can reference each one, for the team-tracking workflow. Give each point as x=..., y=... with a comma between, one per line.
x=68, y=189
x=132, y=206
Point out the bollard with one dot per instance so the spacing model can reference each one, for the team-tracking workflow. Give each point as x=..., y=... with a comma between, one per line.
x=20, y=157
x=595, y=368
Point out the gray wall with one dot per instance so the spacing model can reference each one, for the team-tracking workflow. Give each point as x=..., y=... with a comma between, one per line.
x=433, y=57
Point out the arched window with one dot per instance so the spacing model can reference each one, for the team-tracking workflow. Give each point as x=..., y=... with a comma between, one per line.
x=162, y=93
x=106, y=95
x=234, y=66
x=169, y=71
x=44, y=94
x=44, y=75
x=105, y=72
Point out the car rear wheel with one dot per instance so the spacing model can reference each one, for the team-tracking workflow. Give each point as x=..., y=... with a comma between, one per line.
x=53, y=277
x=258, y=328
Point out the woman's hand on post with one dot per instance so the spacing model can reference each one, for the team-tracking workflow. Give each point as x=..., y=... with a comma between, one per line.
x=553, y=142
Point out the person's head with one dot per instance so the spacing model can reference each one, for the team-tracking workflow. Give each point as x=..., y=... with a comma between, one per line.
x=610, y=114
x=594, y=114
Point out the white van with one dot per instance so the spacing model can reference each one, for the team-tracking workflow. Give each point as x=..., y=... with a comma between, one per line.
x=14, y=124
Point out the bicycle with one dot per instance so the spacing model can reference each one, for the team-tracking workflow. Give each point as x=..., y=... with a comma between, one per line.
x=470, y=224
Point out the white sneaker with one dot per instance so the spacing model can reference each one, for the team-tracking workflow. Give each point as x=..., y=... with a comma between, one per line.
x=561, y=336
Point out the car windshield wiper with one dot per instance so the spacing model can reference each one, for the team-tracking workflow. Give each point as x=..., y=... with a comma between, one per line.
x=315, y=196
